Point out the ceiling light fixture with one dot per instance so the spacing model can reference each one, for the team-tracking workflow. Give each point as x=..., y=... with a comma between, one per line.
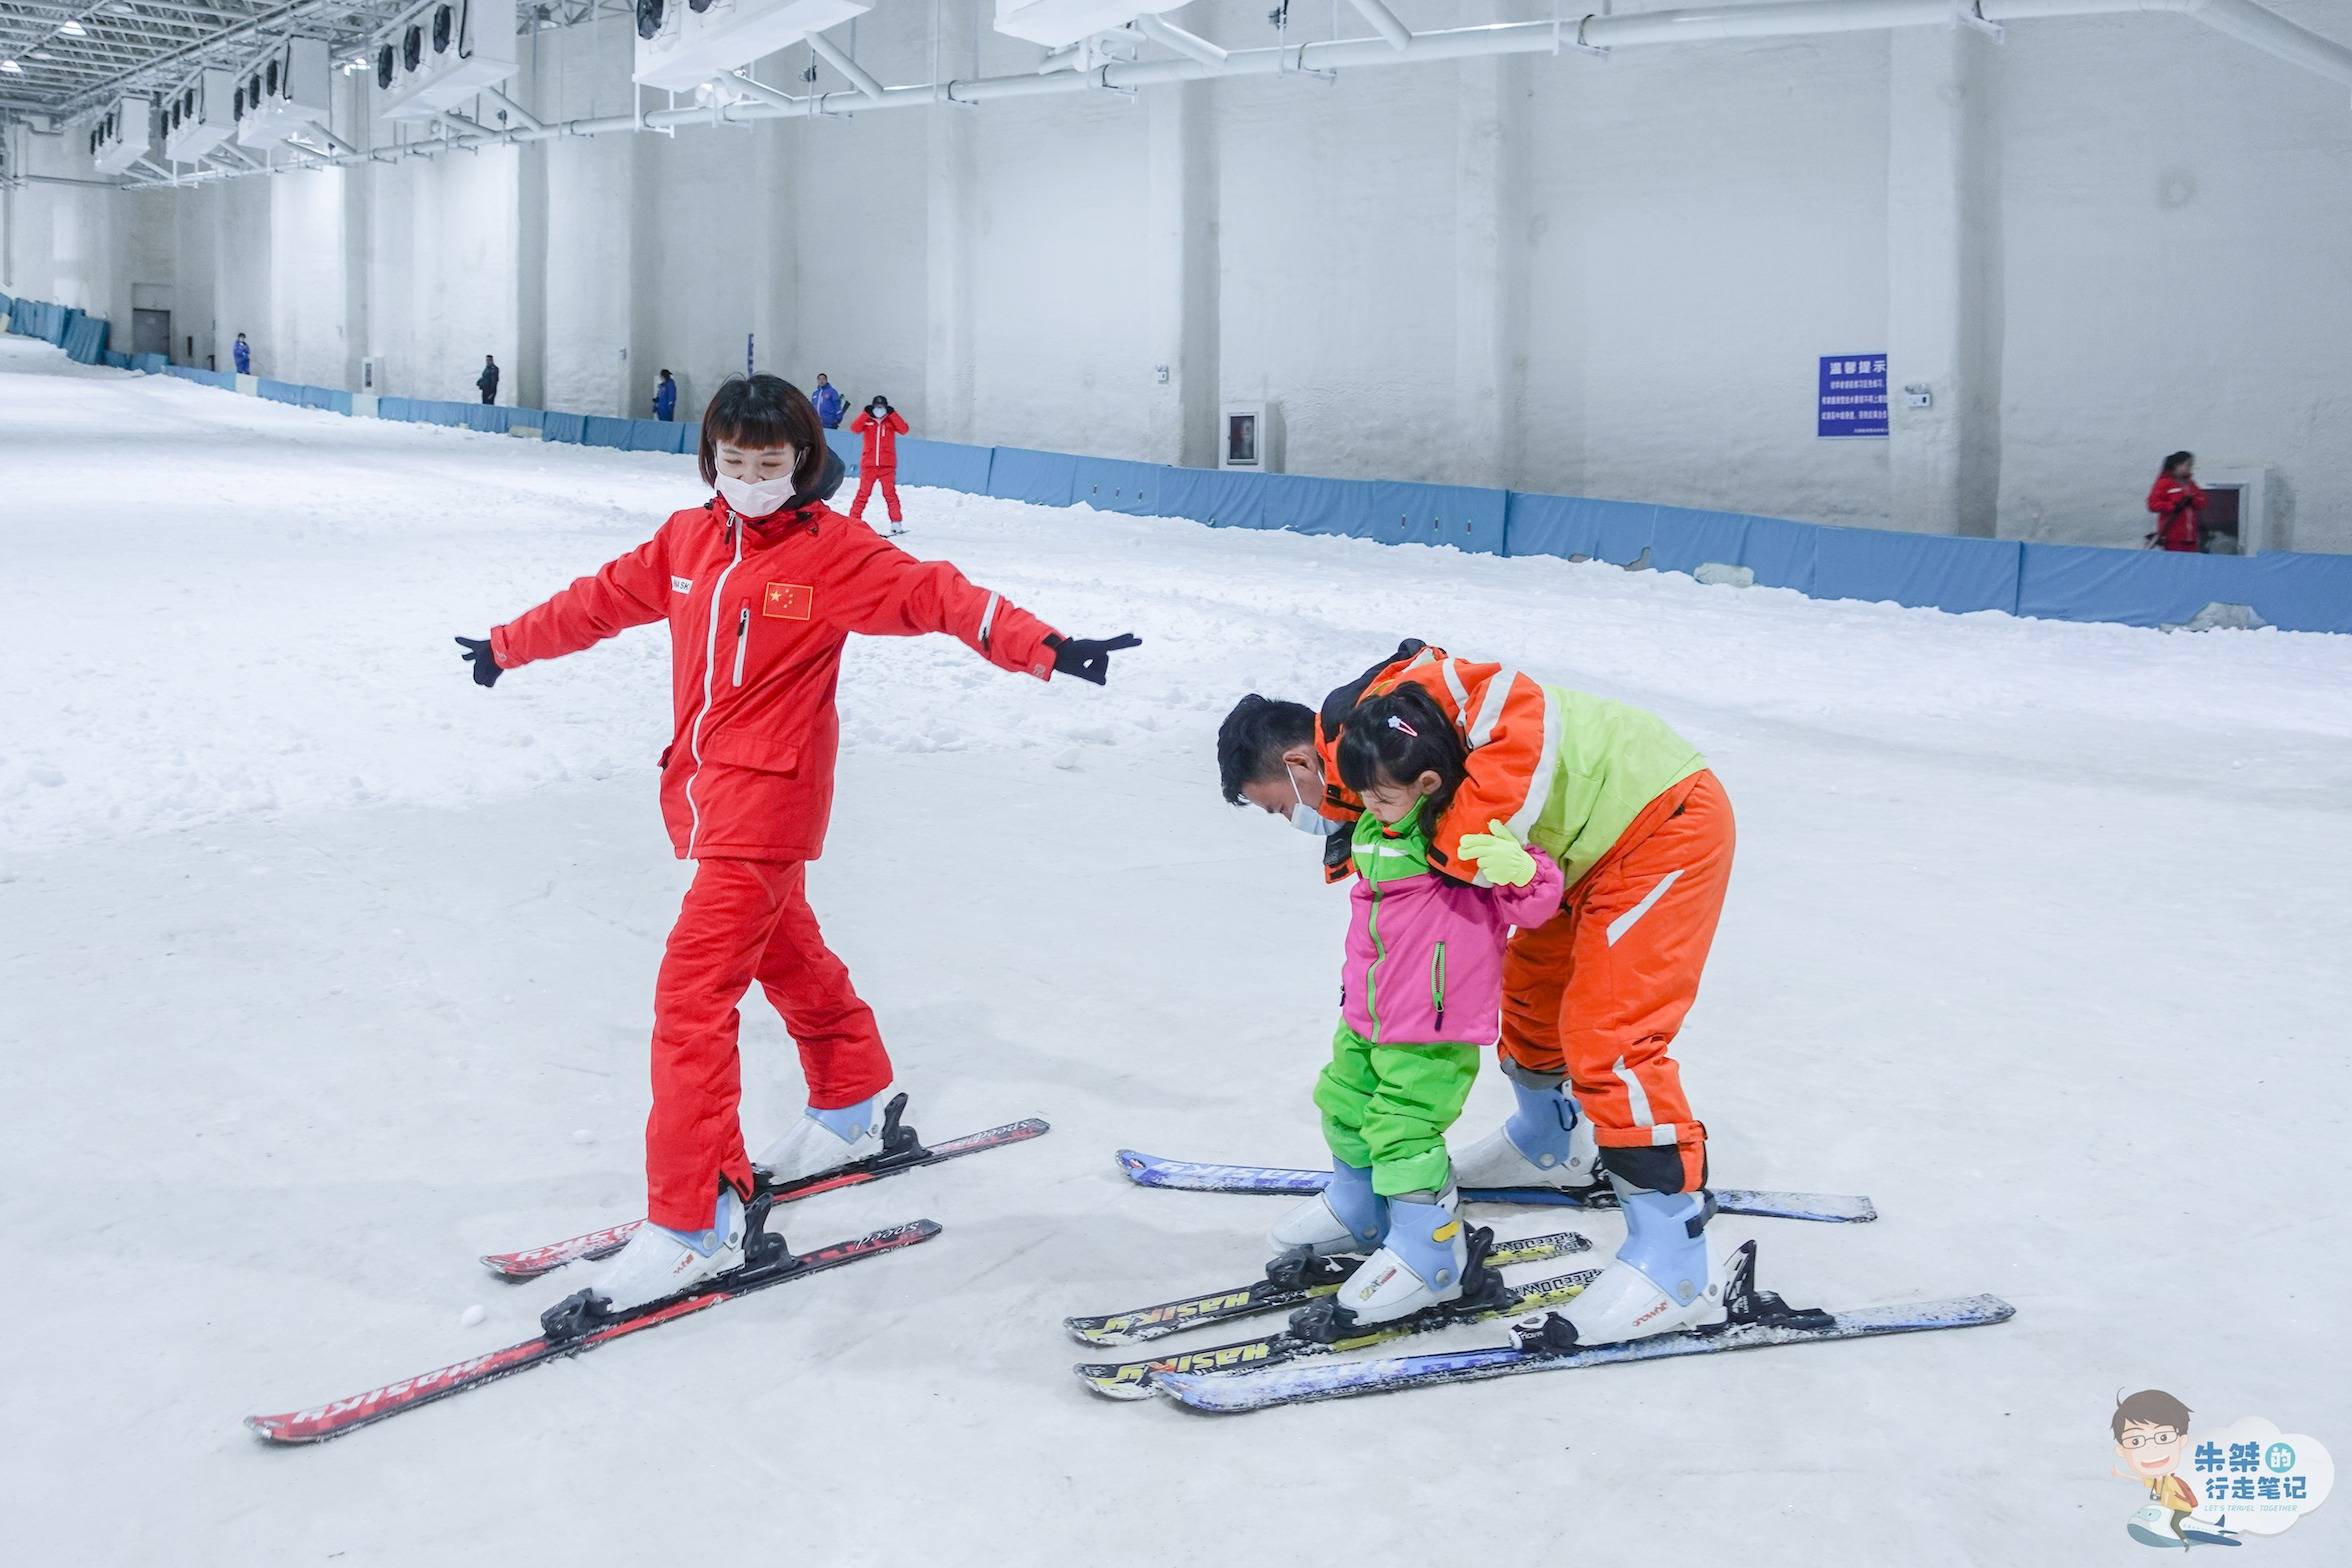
x=73, y=30
x=11, y=68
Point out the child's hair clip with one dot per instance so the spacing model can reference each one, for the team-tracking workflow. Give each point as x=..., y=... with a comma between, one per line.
x=1396, y=723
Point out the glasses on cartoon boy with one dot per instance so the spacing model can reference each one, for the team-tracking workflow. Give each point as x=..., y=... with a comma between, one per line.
x=2161, y=1437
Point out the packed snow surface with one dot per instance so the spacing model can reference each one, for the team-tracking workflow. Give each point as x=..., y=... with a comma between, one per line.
x=323, y=971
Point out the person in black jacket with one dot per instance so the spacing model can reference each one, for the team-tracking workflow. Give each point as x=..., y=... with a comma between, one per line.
x=488, y=379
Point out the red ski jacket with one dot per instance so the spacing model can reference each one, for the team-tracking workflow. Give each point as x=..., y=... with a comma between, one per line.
x=2176, y=503
x=758, y=617
x=880, y=455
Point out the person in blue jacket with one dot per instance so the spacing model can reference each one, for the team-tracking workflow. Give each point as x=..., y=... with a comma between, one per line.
x=665, y=399
x=241, y=355
x=830, y=404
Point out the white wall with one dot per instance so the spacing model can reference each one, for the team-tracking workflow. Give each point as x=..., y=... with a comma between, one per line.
x=2100, y=241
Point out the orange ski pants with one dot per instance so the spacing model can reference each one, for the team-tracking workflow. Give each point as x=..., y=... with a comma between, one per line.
x=1597, y=993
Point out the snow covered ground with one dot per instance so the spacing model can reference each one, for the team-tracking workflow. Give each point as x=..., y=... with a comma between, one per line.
x=322, y=971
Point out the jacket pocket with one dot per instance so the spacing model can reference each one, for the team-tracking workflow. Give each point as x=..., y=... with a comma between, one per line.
x=755, y=752
x=742, y=640
x=1437, y=984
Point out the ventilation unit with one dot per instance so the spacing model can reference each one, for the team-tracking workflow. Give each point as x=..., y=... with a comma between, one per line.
x=1059, y=23
x=123, y=136
x=441, y=53
x=199, y=116
x=683, y=43
x=281, y=94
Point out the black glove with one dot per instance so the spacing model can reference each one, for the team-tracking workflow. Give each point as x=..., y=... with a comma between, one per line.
x=477, y=653
x=1089, y=659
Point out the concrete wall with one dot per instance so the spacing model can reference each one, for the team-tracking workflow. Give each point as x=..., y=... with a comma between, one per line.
x=2100, y=241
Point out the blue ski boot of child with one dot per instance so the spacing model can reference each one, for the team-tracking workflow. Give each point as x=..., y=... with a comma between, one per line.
x=1419, y=1265
x=659, y=1261
x=1666, y=1278
x=1347, y=1216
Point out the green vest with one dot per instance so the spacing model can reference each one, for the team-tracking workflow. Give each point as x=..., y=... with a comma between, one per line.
x=1614, y=760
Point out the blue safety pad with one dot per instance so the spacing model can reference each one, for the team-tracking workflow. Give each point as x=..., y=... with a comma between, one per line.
x=1683, y=538
x=1935, y=571
x=396, y=408
x=1613, y=531
x=279, y=391
x=847, y=446
x=488, y=418
x=150, y=364
x=1782, y=554
x=85, y=338
x=333, y=399
x=651, y=435
x=562, y=427
x=605, y=430
x=948, y=465
x=1017, y=473
x=1215, y=496
x=1110, y=484
x=2161, y=587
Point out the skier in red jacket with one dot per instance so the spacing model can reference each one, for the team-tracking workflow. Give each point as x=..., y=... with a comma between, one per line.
x=762, y=586
x=881, y=425
x=2179, y=504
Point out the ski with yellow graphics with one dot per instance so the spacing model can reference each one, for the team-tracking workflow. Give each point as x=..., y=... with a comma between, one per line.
x=1134, y=1379
x=1289, y=1282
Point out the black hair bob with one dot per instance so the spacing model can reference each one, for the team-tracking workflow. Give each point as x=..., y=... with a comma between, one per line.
x=764, y=411
x=1396, y=737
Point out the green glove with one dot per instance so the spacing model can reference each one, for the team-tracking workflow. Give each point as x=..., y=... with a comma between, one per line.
x=1499, y=855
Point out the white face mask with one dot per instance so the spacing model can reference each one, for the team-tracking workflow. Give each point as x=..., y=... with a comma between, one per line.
x=756, y=497
x=1303, y=816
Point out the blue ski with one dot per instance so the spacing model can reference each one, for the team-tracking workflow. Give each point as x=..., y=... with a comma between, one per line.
x=1149, y=1170
x=1759, y=1318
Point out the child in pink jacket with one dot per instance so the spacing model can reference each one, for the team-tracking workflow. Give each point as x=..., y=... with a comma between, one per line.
x=1422, y=997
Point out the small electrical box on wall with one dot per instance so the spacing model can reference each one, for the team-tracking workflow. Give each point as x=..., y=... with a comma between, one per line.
x=371, y=373
x=1249, y=437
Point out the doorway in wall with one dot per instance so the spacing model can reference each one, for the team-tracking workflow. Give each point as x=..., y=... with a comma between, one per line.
x=151, y=332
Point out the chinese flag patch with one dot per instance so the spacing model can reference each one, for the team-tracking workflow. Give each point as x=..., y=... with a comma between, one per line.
x=787, y=601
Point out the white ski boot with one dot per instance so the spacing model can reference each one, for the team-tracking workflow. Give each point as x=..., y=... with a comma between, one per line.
x=659, y=1261
x=1666, y=1278
x=1547, y=1142
x=1420, y=1265
x=822, y=1141
x=1347, y=1216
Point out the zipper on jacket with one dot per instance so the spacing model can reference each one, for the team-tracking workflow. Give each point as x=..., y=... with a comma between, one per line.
x=742, y=641
x=1372, y=970
x=710, y=659
x=1437, y=984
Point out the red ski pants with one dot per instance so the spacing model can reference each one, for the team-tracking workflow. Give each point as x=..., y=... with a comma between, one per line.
x=1599, y=991
x=887, y=478
x=743, y=921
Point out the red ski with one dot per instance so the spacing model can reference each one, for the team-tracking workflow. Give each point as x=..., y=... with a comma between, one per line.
x=902, y=1150
x=574, y=1328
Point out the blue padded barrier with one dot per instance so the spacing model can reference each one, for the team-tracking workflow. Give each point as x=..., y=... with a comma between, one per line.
x=1782, y=554
x=1613, y=531
x=848, y=447
x=488, y=418
x=113, y=361
x=1215, y=496
x=279, y=391
x=1111, y=484
x=652, y=435
x=605, y=430
x=84, y=341
x=150, y=364
x=333, y=399
x=946, y=464
x=1683, y=539
x=1464, y=516
x=2075, y=582
x=562, y=427
x=1017, y=473
x=396, y=408
x=1934, y=571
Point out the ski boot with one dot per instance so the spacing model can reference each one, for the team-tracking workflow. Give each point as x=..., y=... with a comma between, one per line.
x=1664, y=1279
x=659, y=1262
x=1347, y=1216
x=1547, y=1142
x=1744, y=1306
x=1421, y=1264
x=1331, y=1319
x=822, y=1142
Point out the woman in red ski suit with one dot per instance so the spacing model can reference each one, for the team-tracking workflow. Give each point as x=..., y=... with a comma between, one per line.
x=881, y=425
x=2179, y=504
x=762, y=586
